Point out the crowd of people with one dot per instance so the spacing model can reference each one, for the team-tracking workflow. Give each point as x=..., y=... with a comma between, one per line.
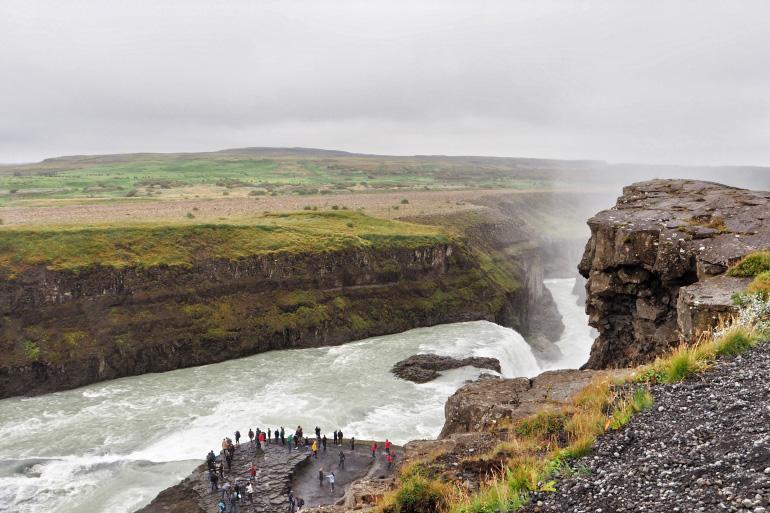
x=235, y=493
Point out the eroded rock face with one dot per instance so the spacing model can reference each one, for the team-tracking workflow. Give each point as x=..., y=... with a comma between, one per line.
x=421, y=368
x=662, y=236
x=479, y=405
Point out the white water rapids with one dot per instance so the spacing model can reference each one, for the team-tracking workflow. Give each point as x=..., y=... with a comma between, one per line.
x=113, y=446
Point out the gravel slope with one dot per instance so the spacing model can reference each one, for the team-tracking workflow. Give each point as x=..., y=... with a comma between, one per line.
x=703, y=446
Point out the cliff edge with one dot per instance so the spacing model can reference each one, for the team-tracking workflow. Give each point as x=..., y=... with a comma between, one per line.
x=655, y=264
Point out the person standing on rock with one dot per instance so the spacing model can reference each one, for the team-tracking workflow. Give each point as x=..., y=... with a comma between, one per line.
x=352, y=443
x=222, y=507
x=315, y=450
x=283, y=434
x=331, y=480
x=342, y=459
x=339, y=436
x=213, y=478
x=237, y=437
x=251, y=436
x=374, y=450
x=224, y=444
x=234, y=503
x=250, y=493
x=221, y=470
x=253, y=473
x=261, y=439
x=300, y=503
x=335, y=437
x=225, y=491
x=390, y=460
x=289, y=442
x=317, y=433
x=387, y=446
x=323, y=442
x=321, y=477
x=229, y=460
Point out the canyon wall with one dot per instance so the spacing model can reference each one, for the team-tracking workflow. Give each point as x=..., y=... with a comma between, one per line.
x=653, y=260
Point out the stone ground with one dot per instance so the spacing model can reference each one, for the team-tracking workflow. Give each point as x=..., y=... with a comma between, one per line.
x=703, y=447
x=278, y=471
x=358, y=464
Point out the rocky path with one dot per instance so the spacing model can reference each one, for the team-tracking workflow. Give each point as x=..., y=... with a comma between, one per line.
x=703, y=447
x=278, y=471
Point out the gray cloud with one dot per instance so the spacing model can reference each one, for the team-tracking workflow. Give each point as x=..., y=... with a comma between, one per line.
x=662, y=82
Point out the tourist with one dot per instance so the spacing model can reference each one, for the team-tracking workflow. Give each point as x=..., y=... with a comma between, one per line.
x=389, y=460
x=234, y=503
x=237, y=437
x=222, y=508
x=296, y=441
x=315, y=450
x=221, y=469
x=253, y=473
x=352, y=443
x=224, y=445
x=323, y=442
x=250, y=493
x=251, y=436
x=335, y=437
x=331, y=480
x=269, y=432
x=387, y=446
x=339, y=436
x=374, y=450
x=213, y=478
x=289, y=442
x=300, y=503
x=342, y=459
x=261, y=439
x=317, y=433
x=321, y=477
x=225, y=491
x=283, y=433
x=229, y=460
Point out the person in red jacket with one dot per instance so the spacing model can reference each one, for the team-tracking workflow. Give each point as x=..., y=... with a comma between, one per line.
x=389, y=460
x=374, y=450
x=261, y=439
x=387, y=446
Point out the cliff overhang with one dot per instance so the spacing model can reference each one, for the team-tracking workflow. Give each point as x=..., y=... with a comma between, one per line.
x=653, y=259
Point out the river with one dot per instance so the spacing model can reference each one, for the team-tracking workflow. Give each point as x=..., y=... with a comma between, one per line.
x=113, y=446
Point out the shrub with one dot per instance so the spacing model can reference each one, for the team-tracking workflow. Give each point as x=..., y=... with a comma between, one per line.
x=132, y=193
x=760, y=285
x=349, y=224
x=417, y=495
x=681, y=365
x=404, y=201
x=335, y=207
x=190, y=215
x=734, y=341
x=306, y=207
x=751, y=265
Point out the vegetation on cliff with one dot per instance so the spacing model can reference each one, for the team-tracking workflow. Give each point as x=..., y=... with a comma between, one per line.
x=185, y=242
x=534, y=454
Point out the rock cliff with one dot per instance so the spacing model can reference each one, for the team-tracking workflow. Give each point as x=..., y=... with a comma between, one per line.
x=652, y=262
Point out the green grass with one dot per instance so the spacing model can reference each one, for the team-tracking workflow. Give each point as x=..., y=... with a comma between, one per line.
x=751, y=265
x=115, y=176
x=185, y=242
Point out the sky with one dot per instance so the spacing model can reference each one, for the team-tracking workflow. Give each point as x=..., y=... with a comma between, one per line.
x=666, y=82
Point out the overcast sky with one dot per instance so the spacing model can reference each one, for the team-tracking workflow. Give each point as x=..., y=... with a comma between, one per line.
x=638, y=81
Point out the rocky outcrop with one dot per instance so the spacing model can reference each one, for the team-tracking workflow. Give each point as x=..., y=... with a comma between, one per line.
x=480, y=405
x=421, y=368
x=647, y=253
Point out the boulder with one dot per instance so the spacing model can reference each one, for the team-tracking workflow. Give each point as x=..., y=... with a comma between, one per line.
x=421, y=368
